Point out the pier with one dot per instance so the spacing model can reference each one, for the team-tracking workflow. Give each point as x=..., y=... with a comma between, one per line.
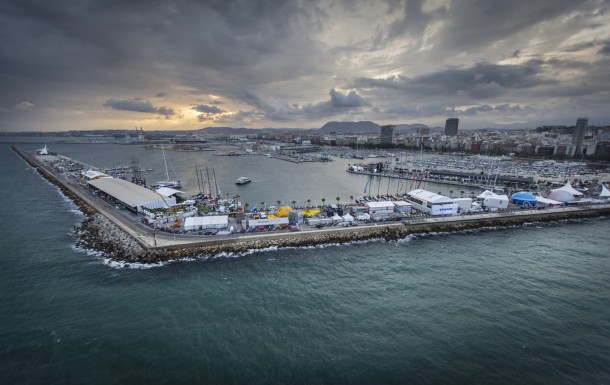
x=122, y=237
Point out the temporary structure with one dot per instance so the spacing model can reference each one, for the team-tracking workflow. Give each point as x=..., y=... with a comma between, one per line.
x=605, y=193
x=348, y=218
x=524, y=199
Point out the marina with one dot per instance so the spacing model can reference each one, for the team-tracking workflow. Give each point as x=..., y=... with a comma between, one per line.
x=158, y=224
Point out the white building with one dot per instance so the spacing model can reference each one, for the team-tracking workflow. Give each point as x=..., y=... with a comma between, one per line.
x=252, y=223
x=380, y=210
x=207, y=222
x=403, y=207
x=432, y=203
x=492, y=200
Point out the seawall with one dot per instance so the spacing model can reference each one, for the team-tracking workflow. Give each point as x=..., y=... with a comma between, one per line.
x=103, y=231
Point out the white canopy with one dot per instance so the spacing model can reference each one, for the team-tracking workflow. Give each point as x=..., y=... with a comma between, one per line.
x=487, y=194
x=167, y=192
x=337, y=218
x=348, y=218
x=568, y=187
x=605, y=193
x=548, y=202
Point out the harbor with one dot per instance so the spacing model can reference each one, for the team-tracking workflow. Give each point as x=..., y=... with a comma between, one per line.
x=129, y=236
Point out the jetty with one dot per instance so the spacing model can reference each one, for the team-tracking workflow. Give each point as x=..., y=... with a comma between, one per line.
x=120, y=236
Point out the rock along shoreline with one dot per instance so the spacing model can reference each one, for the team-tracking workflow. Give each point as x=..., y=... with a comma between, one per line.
x=101, y=233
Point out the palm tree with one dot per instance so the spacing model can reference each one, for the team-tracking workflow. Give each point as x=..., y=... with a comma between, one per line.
x=278, y=203
x=351, y=198
x=472, y=194
x=246, y=206
x=450, y=193
x=462, y=194
x=263, y=204
x=294, y=203
x=338, y=199
x=308, y=202
x=323, y=200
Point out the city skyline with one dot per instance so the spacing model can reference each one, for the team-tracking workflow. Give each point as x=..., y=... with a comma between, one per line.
x=273, y=64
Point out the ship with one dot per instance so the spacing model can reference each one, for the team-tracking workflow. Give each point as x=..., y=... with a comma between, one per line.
x=243, y=180
x=175, y=184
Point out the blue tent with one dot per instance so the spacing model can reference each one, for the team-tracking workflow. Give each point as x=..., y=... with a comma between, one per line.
x=524, y=199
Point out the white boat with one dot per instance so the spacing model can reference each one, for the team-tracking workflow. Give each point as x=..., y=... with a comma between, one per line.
x=175, y=184
x=243, y=180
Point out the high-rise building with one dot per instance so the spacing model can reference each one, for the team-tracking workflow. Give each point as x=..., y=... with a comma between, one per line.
x=451, y=126
x=579, y=135
x=387, y=134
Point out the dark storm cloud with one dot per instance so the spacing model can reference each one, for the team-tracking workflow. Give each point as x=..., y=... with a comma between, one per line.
x=62, y=55
x=605, y=50
x=340, y=100
x=413, y=20
x=480, y=23
x=138, y=105
x=481, y=81
x=204, y=108
x=339, y=103
x=146, y=43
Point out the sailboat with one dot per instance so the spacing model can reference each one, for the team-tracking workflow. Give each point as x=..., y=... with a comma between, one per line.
x=175, y=184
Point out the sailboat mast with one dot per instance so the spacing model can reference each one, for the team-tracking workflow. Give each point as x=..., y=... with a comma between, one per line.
x=209, y=184
x=215, y=185
x=165, y=162
x=198, y=181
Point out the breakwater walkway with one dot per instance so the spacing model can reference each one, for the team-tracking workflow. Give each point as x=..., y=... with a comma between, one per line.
x=121, y=237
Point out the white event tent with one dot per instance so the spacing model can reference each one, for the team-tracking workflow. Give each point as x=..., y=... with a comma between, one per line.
x=605, y=193
x=565, y=193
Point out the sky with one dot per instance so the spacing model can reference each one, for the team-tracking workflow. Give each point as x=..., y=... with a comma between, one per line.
x=161, y=64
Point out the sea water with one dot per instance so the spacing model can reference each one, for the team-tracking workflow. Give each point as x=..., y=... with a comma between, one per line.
x=525, y=304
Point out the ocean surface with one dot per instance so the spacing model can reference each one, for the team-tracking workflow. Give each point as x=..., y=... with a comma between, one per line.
x=520, y=305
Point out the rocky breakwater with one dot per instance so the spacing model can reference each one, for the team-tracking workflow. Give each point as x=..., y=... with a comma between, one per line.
x=99, y=233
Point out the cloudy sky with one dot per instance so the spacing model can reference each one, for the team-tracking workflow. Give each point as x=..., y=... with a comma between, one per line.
x=163, y=64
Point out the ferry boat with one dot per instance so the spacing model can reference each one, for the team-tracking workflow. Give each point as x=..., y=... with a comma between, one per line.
x=243, y=180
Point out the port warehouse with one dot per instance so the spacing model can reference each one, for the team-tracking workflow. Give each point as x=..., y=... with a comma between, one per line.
x=133, y=197
x=432, y=203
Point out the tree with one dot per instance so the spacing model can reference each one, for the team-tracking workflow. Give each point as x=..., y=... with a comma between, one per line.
x=450, y=193
x=278, y=203
x=246, y=206
x=293, y=204
x=351, y=198
x=323, y=200
x=338, y=199
x=462, y=194
x=308, y=202
x=263, y=204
